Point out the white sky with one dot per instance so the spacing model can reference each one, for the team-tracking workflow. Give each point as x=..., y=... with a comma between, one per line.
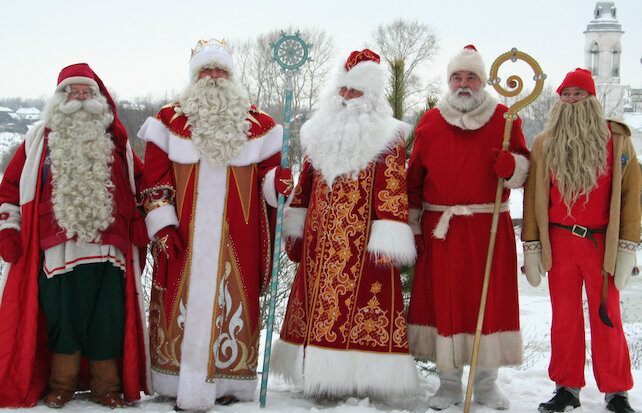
x=142, y=47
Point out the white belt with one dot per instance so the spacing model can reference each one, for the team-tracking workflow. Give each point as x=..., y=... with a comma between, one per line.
x=449, y=210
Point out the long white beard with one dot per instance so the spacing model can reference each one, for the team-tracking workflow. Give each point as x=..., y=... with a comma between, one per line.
x=344, y=136
x=465, y=103
x=81, y=154
x=217, y=110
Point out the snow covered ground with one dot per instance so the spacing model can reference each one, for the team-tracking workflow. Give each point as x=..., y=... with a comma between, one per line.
x=526, y=385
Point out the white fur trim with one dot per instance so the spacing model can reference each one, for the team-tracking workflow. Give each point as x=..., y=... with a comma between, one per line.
x=74, y=80
x=453, y=352
x=159, y=218
x=293, y=222
x=468, y=60
x=269, y=190
x=366, y=76
x=392, y=239
x=218, y=56
x=329, y=372
x=472, y=120
x=414, y=220
x=286, y=360
x=184, y=151
x=15, y=217
x=519, y=174
x=34, y=145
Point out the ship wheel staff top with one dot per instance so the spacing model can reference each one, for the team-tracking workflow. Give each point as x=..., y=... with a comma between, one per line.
x=290, y=52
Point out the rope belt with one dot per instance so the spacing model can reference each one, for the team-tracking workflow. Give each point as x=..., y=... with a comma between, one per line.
x=582, y=232
x=449, y=210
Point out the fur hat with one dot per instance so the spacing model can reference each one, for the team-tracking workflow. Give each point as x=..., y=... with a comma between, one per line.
x=578, y=78
x=362, y=72
x=210, y=53
x=470, y=60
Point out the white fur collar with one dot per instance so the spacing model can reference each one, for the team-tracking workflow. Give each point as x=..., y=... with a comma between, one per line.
x=333, y=165
x=472, y=120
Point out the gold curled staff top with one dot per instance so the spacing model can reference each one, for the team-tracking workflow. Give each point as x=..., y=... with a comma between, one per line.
x=515, y=82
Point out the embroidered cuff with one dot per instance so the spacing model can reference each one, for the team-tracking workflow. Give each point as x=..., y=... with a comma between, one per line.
x=532, y=247
x=625, y=246
x=157, y=197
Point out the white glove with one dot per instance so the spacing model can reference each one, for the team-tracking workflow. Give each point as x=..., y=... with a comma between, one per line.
x=624, y=263
x=533, y=267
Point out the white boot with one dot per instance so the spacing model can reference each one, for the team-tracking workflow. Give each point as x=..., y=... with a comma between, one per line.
x=449, y=391
x=486, y=391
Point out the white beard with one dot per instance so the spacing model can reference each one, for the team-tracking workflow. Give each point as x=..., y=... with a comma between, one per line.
x=465, y=103
x=344, y=136
x=81, y=154
x=217, y=110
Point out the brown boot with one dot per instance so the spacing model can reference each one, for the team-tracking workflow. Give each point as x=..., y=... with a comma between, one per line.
x=105, y=383
x=63, y=379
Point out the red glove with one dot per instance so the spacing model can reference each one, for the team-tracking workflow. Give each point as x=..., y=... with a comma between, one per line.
x=138, y=233
x=419, y=244
x=283, y=182
x=169, y=242
x=504, y=163
x=10, y=245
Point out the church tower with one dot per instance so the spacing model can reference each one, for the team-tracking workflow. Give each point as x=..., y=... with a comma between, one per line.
x=603, y=48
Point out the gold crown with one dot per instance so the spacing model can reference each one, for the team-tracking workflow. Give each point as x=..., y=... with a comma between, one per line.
x=209, y=44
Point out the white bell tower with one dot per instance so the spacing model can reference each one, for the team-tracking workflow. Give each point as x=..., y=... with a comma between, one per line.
x=603, y=48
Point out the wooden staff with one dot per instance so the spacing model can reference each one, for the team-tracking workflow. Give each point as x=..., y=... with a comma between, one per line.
x=514, y=82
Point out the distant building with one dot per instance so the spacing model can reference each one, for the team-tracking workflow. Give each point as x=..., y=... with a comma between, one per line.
x=28, y=114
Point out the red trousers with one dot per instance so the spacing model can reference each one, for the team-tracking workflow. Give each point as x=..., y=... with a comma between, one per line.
x=575, y=261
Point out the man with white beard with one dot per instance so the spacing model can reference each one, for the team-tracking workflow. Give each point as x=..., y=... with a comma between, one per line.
x=70, y=231
x=344, y=332
x=211, y=172
x=455, y=164
x=582, y=225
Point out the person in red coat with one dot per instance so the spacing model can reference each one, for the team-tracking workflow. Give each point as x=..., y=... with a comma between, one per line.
x=211, y=176
x=344, y=331
x=70, y=231
x=452, y=182
x=582, y=225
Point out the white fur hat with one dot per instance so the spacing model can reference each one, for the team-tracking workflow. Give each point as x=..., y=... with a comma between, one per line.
x=362, y=72
x=470, y=60
x=210, y=53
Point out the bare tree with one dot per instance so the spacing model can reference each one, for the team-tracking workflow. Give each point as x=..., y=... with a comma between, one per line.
x=407, y=47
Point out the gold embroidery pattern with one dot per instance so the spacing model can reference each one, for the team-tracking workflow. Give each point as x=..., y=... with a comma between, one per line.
x=296, y=322
x=157, y=196
x=395, y=197
x=371, y=322
x=164, y=349
x=400, y=334
x=334, y=274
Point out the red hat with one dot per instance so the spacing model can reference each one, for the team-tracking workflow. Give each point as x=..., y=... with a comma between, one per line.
x=82, y=73
x=362, y=72
x=470, y=60
x=360, y=56
x=578, y=78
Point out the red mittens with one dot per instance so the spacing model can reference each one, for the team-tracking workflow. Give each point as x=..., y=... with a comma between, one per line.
x=283, y=182
x=169, y=241
x=504, y=163
x=10, y=245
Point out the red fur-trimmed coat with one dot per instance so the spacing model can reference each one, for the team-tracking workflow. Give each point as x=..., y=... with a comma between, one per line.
x=344, y=331
x=204, y=310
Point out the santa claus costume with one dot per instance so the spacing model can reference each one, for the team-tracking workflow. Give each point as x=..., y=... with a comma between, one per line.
x=344, y=332
x=209, y=176
x=69, y=195
x=452, y=182
x=582, y=221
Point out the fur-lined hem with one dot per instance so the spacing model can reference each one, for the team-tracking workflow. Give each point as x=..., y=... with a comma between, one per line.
x=453, y=352
x=286, y=360
x=392, y=239
x=520, y=174
x=293, y=222
x=472, y=120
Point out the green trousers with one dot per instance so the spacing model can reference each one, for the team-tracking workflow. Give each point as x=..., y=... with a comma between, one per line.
x=85, y=310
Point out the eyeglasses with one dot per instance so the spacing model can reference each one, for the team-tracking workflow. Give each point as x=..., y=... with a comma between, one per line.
x=77, y=94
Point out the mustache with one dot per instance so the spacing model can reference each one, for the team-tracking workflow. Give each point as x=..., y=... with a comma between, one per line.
x=209, y=81
x=464, y=90
x=91, y=106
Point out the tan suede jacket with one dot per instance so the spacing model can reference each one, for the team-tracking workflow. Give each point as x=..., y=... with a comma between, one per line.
x=624, y=221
